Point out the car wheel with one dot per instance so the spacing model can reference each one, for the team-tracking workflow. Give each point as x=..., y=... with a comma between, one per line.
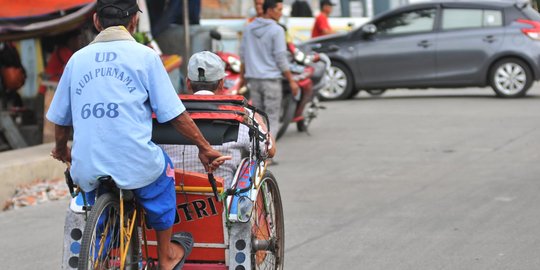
x=376, y=92
x=339, y=84
x=510, y=78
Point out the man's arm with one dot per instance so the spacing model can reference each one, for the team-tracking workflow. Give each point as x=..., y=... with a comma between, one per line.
x=208, y=156
x=61, y=151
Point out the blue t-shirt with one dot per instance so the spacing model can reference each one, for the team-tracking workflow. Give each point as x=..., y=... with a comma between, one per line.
x=108, y=92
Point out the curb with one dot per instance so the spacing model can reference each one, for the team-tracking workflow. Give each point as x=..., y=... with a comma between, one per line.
x=25, y=166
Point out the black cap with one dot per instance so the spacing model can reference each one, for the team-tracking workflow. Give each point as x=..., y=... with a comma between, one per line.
x=327, y=2
x=116, y=8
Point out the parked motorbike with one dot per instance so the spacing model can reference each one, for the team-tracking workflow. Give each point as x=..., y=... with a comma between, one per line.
x=310, y=71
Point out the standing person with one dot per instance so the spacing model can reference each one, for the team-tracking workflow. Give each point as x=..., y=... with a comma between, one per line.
x=205, y=77
x=264, y=56
x=12, y=76
x=68, y=44
x=322, y=26
x=108, y=96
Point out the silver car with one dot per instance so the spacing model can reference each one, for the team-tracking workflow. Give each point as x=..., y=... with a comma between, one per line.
x=437, y=44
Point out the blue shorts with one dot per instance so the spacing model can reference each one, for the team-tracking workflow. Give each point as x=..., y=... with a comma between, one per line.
x=159, y=198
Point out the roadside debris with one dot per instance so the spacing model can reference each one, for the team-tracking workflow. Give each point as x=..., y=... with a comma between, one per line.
x=37, y=192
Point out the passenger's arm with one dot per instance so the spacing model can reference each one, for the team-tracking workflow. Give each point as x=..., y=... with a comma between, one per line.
x=208, y=155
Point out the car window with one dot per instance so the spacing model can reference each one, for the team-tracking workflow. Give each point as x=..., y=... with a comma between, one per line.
x=407, y=22
x=492, y=18
x=470, y=18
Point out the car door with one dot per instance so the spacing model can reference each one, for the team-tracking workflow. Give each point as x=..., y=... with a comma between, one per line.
x=401, y=53
x=469, y=37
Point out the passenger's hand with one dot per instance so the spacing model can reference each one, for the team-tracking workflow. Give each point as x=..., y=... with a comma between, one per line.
x=61, y=153
x=294, y=88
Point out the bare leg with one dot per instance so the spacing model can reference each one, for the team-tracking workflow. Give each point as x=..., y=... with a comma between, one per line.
x=169, y=254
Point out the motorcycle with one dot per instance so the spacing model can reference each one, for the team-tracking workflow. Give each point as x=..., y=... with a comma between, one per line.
x=310, y=71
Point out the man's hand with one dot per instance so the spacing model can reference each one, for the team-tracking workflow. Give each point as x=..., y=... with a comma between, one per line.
x=61, y=153
x=294, y=87
x=212, y=159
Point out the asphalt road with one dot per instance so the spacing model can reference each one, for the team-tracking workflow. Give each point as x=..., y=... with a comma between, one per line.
x=427, y=179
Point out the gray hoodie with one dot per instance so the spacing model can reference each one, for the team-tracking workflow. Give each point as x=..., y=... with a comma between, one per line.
x=264, y=50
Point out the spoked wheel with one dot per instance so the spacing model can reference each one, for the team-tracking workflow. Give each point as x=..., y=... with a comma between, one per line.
x=510, y=78
x=268, y=228
x=340, y=83
x=100, y=248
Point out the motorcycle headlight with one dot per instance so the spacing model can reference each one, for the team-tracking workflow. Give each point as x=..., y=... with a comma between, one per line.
x=234, y=63
x=299, y=56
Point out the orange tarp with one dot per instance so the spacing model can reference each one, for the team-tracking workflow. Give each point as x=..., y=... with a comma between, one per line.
x=30, y=8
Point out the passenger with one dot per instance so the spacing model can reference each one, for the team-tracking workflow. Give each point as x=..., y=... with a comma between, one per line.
x=108, y=96
x=205, y=76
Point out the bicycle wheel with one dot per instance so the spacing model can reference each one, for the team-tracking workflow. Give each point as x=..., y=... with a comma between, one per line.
x=100, y=246
x=268, y=229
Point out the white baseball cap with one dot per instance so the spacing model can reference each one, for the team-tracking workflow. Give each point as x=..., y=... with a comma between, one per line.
x=205, y=66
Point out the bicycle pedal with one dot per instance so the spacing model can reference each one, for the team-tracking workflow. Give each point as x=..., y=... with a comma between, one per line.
x=87, y=208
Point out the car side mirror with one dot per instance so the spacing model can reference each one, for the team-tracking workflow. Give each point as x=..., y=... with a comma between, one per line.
x=369, y=29
x=214, y=34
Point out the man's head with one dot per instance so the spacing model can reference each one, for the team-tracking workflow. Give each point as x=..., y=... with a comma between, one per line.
x=273, y=9
x=205, y=72
x=116, y=13
x=327, y=6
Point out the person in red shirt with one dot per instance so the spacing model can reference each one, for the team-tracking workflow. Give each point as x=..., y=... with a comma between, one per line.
x=68, y=44
x=322, y=27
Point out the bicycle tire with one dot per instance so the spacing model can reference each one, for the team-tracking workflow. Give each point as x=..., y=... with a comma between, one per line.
x=268, y=227
x=108, y=204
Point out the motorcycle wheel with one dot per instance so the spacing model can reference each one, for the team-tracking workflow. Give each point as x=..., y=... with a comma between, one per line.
x=310, y=112
x=286, y=113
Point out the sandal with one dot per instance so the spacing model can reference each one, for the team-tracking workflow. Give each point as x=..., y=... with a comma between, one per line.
x=185, y=240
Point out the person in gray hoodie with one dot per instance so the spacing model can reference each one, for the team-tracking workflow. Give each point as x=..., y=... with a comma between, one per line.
x=263, y=53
